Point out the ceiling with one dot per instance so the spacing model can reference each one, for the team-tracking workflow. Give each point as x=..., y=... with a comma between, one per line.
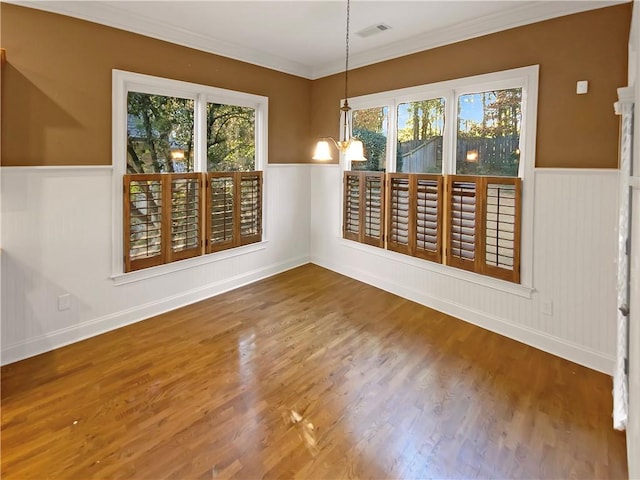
x=307, y=38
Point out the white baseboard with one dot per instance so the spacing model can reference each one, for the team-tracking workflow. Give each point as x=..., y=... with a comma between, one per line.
x=540, y=340
x=90, y=328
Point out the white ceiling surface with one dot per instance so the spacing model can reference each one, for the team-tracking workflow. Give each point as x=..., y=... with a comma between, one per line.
x=307, y=38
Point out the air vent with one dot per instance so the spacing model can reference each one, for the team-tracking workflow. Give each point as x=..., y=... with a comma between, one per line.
x=373, y=30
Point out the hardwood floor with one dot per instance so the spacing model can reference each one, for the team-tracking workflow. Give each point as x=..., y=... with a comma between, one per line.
x=307, y=374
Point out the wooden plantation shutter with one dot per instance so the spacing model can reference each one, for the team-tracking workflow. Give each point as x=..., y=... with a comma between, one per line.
x=428, y=217
x=414, y=215
x=234, y=209
x=221, y=200
x=250, y=207
x=399, y=213
x=144, y=221
x=162, y=218
x=351, y=214
x=163, y=215
x=464, y=207
x=501, y=227
x=481, y=218
x=363, y=216
x=186, y=218
x=483, y=225
x=373, y=214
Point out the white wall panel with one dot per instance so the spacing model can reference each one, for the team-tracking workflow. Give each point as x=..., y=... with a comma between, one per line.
x=56, y=232
x=573, y=267
x=56, y=239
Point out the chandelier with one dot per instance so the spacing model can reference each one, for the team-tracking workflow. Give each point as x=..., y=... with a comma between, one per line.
x=347, y=144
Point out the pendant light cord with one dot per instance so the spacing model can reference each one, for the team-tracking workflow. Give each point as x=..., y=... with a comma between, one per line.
x=346, y=63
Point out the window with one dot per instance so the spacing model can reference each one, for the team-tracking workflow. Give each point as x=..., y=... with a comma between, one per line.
x=370, y=126
x=488, y=133
x=419, y=136
x=188, y=158
x=460, y=172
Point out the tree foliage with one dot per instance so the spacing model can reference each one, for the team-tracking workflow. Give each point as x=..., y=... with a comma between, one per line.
x=501, y=114
x=160, y=135
x=368, y=124
x=494, y=139
x=426, y=120
x=230, y=138
x=370, y=119
x=158, y=125
x=375, y=145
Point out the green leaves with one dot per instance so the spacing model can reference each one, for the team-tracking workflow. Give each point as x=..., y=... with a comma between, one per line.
x=231, y=143
x=159, y=133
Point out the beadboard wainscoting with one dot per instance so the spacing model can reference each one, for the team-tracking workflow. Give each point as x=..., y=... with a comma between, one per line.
x=570, y=311
x=56, y=241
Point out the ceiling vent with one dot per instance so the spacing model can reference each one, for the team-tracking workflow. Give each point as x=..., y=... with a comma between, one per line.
x=373, y=30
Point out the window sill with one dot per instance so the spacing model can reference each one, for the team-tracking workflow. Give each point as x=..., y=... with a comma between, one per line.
x=494, y=283
x=160, y=270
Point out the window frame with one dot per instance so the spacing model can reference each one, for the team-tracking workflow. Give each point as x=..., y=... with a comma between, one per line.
x=523, y=77
x=124, y=82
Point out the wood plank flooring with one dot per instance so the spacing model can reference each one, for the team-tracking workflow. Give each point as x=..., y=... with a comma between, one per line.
x=307, y=374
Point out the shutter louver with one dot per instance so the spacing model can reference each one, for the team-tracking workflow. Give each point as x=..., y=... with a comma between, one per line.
x=363, y=214
x=373, y=221
x=234, y=209
x=428, y=217
x=250, y=211
x=399, y=216
x=220, y=208
x=351, y=220
x=501, y=224
x=185, y=216
x=414, y=215
x=463, y=222
x=144, y=222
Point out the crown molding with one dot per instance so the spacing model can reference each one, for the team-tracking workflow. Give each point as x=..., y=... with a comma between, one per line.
x=111, y=15
x=529, y=12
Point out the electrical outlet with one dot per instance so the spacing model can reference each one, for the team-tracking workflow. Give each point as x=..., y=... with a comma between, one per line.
x=64, y=302
x=546, y=307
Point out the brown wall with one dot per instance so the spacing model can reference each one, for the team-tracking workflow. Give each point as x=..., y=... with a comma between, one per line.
x=573, y=130
x=56, y=88
x=56, y=85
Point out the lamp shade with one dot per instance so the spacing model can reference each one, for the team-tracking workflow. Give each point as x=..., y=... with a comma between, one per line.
x=355, y=152
x=323, y=151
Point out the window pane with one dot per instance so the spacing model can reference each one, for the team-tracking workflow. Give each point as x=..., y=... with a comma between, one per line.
x=231, y=138
x=159, y=134
x=370, y=126
x=489, y=133
x=420, y=128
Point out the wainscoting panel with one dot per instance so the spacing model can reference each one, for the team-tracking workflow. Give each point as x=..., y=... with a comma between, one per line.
x=56, y=241
x=571, y=308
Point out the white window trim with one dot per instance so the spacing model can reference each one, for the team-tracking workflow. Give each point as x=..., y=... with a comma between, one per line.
x=124, y=82
x=525, y=77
